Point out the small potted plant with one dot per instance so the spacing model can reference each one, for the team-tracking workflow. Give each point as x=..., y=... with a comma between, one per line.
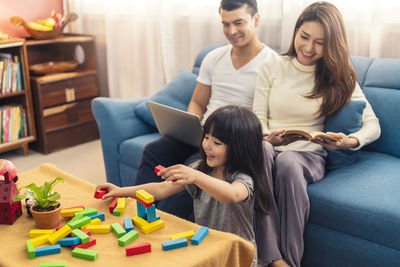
x=46, y=210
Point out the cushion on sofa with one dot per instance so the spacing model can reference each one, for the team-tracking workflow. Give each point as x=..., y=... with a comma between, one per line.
x=175, y=94
x=361, y=200
x=347, y=120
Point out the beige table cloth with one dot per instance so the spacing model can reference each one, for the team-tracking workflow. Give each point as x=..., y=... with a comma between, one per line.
x=217, y=249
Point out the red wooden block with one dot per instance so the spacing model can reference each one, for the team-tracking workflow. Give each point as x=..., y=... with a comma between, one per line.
x=113, y=205
x=92, y=242
x=86, y=232
x=99, y=193
x=138, y=249
x=158, y=168
x=144, y=203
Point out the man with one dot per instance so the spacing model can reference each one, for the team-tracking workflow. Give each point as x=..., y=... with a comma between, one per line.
x=227, y=76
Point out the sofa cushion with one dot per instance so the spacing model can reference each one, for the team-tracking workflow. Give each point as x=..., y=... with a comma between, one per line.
x=175, y=94
x=130, y=150
x=347, y=120
x=361, y=200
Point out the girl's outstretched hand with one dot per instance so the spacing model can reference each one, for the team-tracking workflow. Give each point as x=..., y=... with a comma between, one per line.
x=111, y=188
x=179, y=174
x=343, y=142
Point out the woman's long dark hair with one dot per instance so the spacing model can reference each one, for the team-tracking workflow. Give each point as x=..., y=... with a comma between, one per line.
x=335, y=77
x=240, y=129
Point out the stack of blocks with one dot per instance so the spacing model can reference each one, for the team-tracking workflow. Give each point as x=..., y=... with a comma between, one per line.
x=181, y=240
x=147, y=220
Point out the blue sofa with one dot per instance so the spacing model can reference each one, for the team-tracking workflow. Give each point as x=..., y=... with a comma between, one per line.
x=355, y=210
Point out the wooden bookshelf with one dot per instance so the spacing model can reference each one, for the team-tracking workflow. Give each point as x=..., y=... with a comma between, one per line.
x=22, y=97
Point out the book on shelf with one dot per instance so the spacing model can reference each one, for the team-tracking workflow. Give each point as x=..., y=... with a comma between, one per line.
x=315, y=135
x=13, y=123
x=10, y=72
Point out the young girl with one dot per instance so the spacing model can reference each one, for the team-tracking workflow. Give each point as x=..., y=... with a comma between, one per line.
x=227, y=183
x=298, y=90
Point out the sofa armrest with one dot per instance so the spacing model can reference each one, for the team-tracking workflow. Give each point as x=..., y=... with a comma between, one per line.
x=117, y=122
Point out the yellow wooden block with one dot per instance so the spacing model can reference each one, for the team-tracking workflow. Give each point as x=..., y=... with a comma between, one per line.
x=61, y=233
x=40, y=240
x=99, y=229
x=70, y=212
x=121, y=203
x=38, y=232
x=151, y=227
x=146, y=197
x=139, y=222
x=95, y=221
x=188, y=235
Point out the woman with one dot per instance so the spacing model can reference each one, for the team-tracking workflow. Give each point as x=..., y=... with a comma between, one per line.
x=299, y=90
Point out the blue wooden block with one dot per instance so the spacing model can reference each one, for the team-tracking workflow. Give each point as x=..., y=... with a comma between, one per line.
x=69, y=241
x=141, y=210
x=199, y=235
x=128, y=224
x=172, y=244
x=99, y=215
x=48, y=250
x=151, y=214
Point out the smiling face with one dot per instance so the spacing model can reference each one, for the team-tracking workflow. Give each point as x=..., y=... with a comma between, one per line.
x=309, y=42
x=216, y=152
x=239, y=26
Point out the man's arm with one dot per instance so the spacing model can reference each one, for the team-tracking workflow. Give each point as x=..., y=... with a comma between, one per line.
x=199, y=101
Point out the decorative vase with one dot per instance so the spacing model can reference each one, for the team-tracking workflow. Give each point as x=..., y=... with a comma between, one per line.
x=47, y=219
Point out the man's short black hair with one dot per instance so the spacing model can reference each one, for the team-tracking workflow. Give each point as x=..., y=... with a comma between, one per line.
x=230, y=5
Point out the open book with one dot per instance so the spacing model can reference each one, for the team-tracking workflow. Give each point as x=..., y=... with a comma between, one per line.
x=309, y=135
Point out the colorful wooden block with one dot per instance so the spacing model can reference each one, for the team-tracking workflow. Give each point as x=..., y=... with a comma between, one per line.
x=138, y=249
x=48, y=250
x=139, y=222
x=75, y=218
x=143, y=195
x=31, y=250
x=128, y=238
x=143, y=203
x=76, y=207
x=87, y=212
x=69, y=241
x=38, y=232
x=188, y=235
x=116, y=213
x=199, y=236
x=63, y=232
x=128, y=224
x=91, y=242
x=99, y=229
x=99, y=215
x=158, y=168
x=113, y=205
x=172, y=244
x=151, y=214
x=95, y=221
x=85, y=254
x=118, y=230
x=121, y=203
x=86, y=232
x=151, y=227
x=141, y=210
x=53, y=264
x=82, y=236
x=100, y=193
x=40, y=240
x=70, y=212
x=79, y=222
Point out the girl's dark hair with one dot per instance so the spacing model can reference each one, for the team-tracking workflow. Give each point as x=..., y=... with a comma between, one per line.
x=230, y=5
x=335, y=77
x=240, y=129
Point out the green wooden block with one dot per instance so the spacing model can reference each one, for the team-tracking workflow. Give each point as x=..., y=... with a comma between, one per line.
x=128, y=238
x=78, y=233
x=79, y=222
x=31, y=250
x=53, y=264
x=87, y=212
x=118, y=230
x=76, y=217
x=116, y=213
x=85, y=254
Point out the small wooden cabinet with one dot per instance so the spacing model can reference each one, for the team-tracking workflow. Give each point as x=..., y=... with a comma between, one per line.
x=18, y=135
x=62, y=101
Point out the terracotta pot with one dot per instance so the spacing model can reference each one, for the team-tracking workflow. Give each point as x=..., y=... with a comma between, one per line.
x=47, y=219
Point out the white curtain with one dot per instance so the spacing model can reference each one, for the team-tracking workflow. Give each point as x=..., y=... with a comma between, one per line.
x=142, y=44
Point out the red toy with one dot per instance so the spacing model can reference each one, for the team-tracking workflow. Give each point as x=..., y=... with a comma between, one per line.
x=100, y=193
x=9, y=210
x=138, y=249
x=158, y=168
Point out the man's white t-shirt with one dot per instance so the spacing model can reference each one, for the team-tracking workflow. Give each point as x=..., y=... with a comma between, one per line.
x=229, y=86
